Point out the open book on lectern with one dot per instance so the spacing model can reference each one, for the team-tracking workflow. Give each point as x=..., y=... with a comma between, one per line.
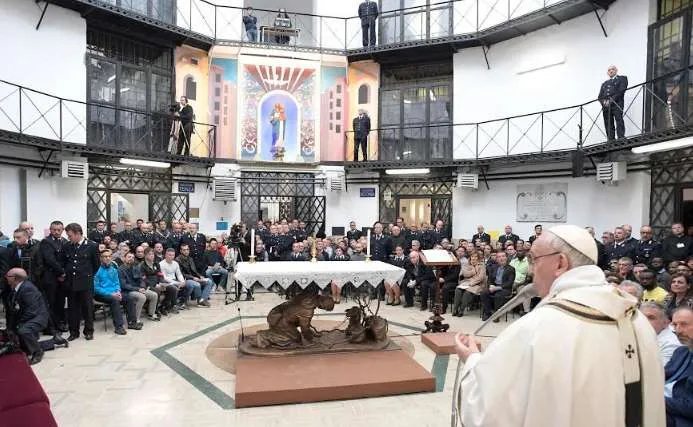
x=438, y=257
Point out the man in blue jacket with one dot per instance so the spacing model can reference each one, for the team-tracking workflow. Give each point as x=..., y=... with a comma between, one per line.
x=678, y=386
x=107, y=290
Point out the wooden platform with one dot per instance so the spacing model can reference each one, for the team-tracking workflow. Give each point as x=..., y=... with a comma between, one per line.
x=440, y=343
x=313, y=378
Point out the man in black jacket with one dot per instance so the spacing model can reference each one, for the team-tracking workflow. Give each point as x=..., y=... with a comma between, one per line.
x=620, y=248
x=197, y=242
x=27, y=314
x=80, y=260
x=421, y=275
x=380, y=244
x=481, y=235
x=96, y=235
x=353, y=233
x=22, y=252
x=203, y=285
x=368, y=12
x=500, y=280
x=215, y=263
x=508, y=236
x=611, y=97
x=362, y=127
x=677, y=247
x=450, y=279
x=186, y=127
x=646, y=248
x=53, y=275
x=127, y=235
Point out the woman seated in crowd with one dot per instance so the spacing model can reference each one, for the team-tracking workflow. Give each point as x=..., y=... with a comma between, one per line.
x=681, y=293
x=474, y=278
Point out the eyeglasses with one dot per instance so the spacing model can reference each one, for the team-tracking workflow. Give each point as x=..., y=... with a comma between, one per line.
x=533, y=259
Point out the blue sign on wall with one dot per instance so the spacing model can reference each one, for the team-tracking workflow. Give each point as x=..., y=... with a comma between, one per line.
x=367, y=192
x=186, y=187
x=222, y=226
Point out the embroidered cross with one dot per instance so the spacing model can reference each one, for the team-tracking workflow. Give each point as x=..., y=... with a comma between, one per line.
x=630, y=351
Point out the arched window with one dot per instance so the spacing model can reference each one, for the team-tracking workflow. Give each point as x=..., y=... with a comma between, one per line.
x=364, y=94
x=190, y=88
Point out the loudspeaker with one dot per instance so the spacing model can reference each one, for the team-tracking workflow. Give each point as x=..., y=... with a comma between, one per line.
x=578, y=159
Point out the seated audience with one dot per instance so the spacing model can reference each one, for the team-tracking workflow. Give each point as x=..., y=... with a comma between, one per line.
x=652, y=292
x=678, y=373
x=473, y=282
x=154, y=281
x=393, y=289
x=663, y=277
x=625, y=269
x=107, y=290
x=522, y=275
x=296, y=253
x=631, y=287
x=172, y=275
x=215, y=263
x=420, y=275
x=202, y=286
x=681, y=293
x=666, y=338
x=501, y=278
x=133, y=286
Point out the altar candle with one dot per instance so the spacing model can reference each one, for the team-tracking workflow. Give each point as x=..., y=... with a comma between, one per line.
x=252, y=242
x=368, y=243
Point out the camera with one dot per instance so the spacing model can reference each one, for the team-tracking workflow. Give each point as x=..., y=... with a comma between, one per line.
x=174, y=108
x=236, y=235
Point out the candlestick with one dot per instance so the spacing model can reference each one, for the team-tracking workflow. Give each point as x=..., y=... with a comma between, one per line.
x=368, y=244
x=252, y=242
x=314, y=250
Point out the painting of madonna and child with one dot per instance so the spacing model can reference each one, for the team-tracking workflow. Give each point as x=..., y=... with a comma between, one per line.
x=279, y=110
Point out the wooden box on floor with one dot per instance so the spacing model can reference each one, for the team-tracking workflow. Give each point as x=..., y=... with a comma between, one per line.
x=264, y=381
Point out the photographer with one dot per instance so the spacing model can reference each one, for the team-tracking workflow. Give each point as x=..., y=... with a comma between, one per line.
x=186, y=116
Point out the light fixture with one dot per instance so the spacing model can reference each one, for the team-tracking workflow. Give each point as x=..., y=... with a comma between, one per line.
x=540, y=61
x=150, y=163
x=110, y=79
x=663, y=146
x=419, y=171
x=125, y=89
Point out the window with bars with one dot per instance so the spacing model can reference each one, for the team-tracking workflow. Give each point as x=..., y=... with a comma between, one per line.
x=670, y=7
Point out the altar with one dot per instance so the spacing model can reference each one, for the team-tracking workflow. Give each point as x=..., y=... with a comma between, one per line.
x=322, y=273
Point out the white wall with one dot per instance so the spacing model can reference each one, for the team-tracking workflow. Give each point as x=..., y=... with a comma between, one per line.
x=482, y=94
x=10, y=210
x=590, y=203
x=346, y=206
x=50, y=60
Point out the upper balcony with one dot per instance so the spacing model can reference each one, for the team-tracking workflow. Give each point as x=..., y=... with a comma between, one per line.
x=33, y=118
x=654, y=111
x=458, y=23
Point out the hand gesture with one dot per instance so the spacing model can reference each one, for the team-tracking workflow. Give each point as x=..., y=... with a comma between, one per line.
x=466, y=345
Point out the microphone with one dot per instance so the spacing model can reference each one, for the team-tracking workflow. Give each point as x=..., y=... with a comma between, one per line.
x=528, y=292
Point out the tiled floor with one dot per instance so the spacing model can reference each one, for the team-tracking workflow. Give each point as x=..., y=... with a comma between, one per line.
x=160, y=376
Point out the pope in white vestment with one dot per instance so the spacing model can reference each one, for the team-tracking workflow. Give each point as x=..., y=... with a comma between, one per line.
x=566, y=363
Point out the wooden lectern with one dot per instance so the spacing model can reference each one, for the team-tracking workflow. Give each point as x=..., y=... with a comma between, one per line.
x=437, y=258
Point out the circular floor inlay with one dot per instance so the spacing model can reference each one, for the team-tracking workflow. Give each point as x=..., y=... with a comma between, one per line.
x=223, y=354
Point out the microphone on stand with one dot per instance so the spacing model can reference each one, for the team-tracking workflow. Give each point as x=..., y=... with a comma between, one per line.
x=528, y=292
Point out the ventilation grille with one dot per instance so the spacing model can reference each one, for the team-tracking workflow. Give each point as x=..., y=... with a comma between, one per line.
x=468, y=180
x=74, y=169
x=224, y=189
x=613, y=171
x=336, y=183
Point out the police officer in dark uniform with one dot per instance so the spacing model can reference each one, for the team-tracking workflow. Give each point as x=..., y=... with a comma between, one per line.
x=380, y=244
x=611, y=97
x=53, y=275
x=127, y=235
x=285, y=241
x=175, y=238
x=80, y=260
x=22, y=252
x=27, y=314
x=198, y=245
x=439, y=233
x=162, y=233
x=362, y=127
x=272, y=244
x=646, y=248
x=147, y=236
x=368, y=13
x=96, y=235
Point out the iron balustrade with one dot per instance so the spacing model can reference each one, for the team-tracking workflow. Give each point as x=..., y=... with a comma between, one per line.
x=653, y=106
x=37, y=114
x=435, y=21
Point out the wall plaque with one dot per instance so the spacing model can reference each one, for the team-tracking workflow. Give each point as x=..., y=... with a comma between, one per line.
x=542, y=203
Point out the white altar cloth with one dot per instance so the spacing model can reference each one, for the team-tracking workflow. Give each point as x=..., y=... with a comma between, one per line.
x=322, y=273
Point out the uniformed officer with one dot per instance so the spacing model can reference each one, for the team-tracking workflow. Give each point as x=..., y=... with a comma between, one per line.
x=80, y=260
x=380, y=244
x=52, y=276
x=96, y=235
x=353, y=233
x=646, y=248
x=611, y=97
x=198, y=244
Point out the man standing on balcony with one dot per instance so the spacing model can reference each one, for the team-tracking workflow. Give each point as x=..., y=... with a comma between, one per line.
x=250, y=24
x=186, y=127
x=362, y=126
x=368, y=12
x=611, y=98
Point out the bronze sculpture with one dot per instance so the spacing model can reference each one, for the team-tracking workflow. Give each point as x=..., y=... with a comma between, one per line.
x=291, y=332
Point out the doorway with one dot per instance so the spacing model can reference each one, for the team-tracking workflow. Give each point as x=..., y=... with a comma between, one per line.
x=128, y=207
x=415, y=210
x=687, y=207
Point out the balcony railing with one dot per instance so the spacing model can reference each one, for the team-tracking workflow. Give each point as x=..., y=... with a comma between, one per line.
x=36, y=114
x=657, y=105
x=436, y=21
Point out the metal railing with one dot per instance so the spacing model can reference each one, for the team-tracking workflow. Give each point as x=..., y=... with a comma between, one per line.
x=37, y=114
x=656, y=105
x=426, y=22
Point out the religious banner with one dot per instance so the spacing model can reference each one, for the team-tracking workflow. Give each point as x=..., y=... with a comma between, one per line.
x=279, y=102
x=542, y=203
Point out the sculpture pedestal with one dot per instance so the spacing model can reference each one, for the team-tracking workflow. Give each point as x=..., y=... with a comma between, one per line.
x=441, y=343
x=262, y=381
